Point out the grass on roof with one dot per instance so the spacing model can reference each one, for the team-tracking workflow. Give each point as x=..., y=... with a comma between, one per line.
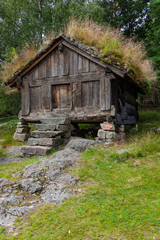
x=113, y=47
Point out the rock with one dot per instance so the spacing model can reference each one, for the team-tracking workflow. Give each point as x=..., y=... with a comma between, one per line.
x=107, y=126
x=4, y=182
x=65, y=158
x=45, y=127
x=45, y=134
x=55, y=193
x=30, y=186
x=110, y=135
x=55, y=120
x=35, y=150
x=106, y=135
x=40, y=141
x=21, y=137
x=53, y=174
x=33, y=171
x=18, y=211
x=121, y=151
x=4, y=160
x=101, y=134
x=80, y=144
x=14, y=151
x=2, y=140
x=158, y=130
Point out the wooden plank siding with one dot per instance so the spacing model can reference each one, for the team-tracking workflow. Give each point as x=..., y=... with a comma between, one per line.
x=66, y=80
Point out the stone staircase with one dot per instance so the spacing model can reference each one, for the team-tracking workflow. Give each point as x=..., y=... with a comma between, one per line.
x=50, y=133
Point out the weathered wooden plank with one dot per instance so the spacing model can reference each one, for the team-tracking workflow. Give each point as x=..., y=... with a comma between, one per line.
x=35, y=98
x=48, y=66
x=35, y=73
x=102, y=93
x=75, y=62
x=80, y=63
x=96, y=92
x=85, y=65
x=92, y=66
x=66, y=63
x=90, y=93
x=25, y=99
x=83, y=77
x=84, y=93
x=46, y=93
x=76, y=92
x=107, y=93
x=42, y=69
x=61, y=63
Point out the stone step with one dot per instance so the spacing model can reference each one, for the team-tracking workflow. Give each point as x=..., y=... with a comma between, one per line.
x=46, y=134
x=35, y=150
x=21, y=137
x=45, y=141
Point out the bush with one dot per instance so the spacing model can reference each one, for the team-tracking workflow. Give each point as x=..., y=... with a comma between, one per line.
x=9, y=103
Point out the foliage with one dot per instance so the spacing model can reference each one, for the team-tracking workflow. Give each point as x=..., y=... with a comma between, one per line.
x=153, y=36
x=9, y=103
x=7, y=132
x=16, y=61
x=113, y=48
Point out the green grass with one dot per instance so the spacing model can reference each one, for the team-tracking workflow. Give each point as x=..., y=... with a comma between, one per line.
x=6, y=170
x=7, y=132
x=117, y=197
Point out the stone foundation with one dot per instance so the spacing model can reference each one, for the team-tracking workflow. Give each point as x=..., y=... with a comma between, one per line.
x=22, y=131
x=107, y=132
x=50, y=133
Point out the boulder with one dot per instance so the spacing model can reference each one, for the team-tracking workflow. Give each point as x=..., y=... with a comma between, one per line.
x=80, y=144
x=35, y=150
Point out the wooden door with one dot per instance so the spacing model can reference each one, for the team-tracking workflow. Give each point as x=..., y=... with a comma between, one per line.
x=61, y=96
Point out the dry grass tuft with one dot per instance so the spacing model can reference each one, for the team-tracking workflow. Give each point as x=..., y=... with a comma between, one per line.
x=114, y=48
x=18, y=61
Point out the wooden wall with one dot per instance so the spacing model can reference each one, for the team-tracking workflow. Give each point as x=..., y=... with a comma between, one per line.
x=64, y=81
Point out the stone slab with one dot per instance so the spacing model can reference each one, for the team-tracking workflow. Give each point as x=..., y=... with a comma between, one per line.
x=45, y=134
x=21, y=137
x=35, y=150
x=107, y=126
x=45, y=127
x=14, y=150
x=55, y=120
x=101, y=134
x=45, y=141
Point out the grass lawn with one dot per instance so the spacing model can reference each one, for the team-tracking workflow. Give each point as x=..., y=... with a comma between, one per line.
x=118, y=196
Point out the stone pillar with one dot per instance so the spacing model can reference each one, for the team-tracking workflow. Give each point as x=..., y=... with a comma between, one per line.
x=51, y=133
x=107, y=132
x=22, y=131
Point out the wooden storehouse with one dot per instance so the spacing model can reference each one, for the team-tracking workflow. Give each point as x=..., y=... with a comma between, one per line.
x=68, y=79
